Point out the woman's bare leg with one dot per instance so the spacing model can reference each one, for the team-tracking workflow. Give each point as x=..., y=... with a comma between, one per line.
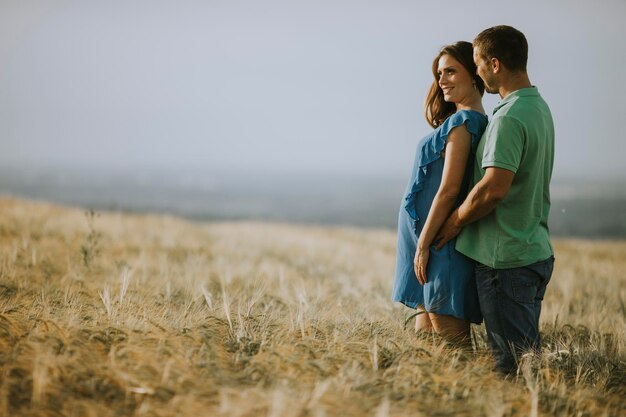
x=422, y=321
x=453, y=329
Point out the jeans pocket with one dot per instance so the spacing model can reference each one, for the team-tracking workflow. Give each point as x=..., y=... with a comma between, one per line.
x=483, y=269
x=525, y=285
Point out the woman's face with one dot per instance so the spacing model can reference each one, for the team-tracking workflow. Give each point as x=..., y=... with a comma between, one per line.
x=454, y=80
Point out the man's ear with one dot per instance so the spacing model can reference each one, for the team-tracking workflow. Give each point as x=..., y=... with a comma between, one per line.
x=496, y=65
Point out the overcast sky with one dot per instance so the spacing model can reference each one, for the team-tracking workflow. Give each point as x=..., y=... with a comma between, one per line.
x=293, y=86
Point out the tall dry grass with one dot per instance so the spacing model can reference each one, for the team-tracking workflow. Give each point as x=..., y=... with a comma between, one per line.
x=120, y=314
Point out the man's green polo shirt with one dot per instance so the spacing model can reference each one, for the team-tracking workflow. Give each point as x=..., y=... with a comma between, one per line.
x=519, y=138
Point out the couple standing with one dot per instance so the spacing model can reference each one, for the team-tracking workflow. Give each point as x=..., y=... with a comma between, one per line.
x=488, y=183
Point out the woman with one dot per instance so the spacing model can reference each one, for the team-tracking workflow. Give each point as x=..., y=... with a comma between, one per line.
x=440, y=284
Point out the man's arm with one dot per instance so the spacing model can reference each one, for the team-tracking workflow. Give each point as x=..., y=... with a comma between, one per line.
x=481, y=200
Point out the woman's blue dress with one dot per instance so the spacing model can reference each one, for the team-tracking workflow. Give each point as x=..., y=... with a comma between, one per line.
x=451, y=287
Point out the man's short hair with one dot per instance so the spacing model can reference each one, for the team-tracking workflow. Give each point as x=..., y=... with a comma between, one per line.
x=505, y=43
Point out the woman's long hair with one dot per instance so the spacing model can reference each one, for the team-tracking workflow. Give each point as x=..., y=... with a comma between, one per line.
x=436, y=109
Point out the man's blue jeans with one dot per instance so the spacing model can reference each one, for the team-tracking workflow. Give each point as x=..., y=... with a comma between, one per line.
x=510, y=300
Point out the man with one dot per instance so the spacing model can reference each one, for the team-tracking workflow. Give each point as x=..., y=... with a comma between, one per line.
x=505, y=215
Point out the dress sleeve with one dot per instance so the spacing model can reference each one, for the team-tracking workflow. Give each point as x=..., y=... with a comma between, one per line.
x=431, y=151
x=433, y=148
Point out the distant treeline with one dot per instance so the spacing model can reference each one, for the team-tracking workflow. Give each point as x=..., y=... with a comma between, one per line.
x=369, y=202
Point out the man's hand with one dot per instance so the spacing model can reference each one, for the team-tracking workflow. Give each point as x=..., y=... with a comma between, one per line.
x=420, y=262
x=448, y=231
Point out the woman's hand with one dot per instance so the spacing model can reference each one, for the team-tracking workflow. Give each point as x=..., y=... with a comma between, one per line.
x=420, y=262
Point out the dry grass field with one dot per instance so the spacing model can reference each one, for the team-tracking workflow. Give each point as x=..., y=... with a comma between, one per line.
x=114, y=314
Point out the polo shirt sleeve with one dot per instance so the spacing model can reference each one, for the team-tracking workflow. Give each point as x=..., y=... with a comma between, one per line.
x=504, y=144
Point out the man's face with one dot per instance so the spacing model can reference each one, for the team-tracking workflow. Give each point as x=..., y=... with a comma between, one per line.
x=484, y=71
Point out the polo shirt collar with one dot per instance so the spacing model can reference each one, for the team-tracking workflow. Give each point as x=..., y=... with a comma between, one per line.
x=522, y=92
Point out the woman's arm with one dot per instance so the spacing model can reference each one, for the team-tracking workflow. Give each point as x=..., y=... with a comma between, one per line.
x=480, y=201
x=456, y=153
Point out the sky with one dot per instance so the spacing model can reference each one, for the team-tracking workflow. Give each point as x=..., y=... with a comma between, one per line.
x=332, y=87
